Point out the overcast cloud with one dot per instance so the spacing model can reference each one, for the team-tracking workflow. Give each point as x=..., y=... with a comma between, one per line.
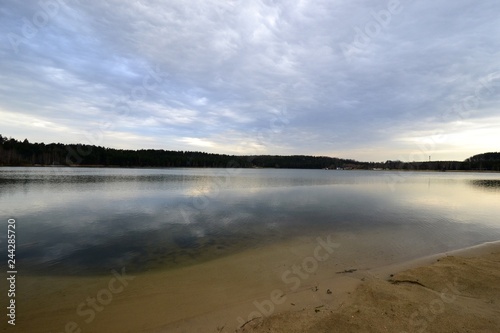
x=363, y=79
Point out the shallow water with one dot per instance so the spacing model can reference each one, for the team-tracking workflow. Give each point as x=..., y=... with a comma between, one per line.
x=88, y=220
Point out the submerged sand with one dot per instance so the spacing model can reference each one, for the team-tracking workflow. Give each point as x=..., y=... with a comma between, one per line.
x=352, y=290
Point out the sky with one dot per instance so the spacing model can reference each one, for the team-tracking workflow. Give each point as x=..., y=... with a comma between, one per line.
x=363, y=79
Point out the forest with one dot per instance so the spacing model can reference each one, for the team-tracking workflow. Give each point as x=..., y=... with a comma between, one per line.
x=24, y=153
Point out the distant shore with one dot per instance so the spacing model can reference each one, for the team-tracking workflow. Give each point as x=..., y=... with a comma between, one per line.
x=24, y=153
x=97, y=166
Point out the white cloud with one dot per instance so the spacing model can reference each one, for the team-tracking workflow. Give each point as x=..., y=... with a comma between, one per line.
x=224, y=67
x=196, y=142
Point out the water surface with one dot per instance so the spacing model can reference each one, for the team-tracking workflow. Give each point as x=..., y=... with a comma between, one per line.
x=90, y=220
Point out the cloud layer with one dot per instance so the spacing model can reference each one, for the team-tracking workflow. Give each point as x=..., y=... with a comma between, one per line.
x=370, y=80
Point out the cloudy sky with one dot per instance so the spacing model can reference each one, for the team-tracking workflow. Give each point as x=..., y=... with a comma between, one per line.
x=363, y=79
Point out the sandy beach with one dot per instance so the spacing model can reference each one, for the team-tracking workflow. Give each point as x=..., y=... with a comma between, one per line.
x=451, y=292
x=314, y=285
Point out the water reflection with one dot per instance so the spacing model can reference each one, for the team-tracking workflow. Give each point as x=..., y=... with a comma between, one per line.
x=492, y=185
x=90, y=220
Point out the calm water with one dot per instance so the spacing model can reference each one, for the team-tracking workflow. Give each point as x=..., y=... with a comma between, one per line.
x=87, y=220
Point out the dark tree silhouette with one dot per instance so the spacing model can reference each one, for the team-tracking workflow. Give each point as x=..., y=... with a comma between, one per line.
x=17, y=153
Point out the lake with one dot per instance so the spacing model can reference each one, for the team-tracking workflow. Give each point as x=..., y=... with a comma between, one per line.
x=86, y=221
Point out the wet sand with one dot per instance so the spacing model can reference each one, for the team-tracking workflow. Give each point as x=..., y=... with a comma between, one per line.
x=331, y=283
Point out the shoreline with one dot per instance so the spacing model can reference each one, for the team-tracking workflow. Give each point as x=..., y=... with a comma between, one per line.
x=453, y=291
x=97, y=166
x=220, y=295
x=466, y=252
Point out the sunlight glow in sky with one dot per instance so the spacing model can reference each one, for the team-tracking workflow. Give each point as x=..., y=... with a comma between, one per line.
x=369, y=80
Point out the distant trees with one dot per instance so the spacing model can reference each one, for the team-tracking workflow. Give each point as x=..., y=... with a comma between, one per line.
x=299, y=162
x=17, y=153
x=486, y=161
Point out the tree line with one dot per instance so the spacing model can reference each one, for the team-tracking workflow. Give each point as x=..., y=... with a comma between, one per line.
x=24, y=153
